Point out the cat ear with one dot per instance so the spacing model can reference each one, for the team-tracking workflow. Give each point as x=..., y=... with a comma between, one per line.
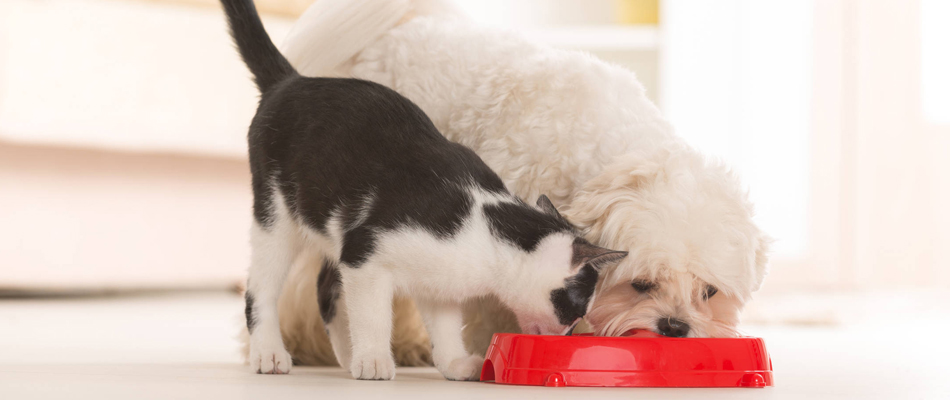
x=544, y=203
x=596, y=256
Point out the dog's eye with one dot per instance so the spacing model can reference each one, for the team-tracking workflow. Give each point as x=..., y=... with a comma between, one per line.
x=710, y=292
x=643, y=286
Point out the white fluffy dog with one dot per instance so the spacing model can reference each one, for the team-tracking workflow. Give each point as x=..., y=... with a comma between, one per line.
x=553, y=122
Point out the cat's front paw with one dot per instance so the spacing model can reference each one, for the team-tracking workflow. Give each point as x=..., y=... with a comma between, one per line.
x=373, y=366
x=464, y=369
x=270, y=360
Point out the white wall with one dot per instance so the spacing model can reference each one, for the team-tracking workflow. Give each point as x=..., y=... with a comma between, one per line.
x=829, y=111
x=901, y=168
x=736, y=79
x=125, y=75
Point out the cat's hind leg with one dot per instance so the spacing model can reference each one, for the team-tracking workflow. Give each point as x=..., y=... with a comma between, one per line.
x=333, y=312
x=368, y=297
x=273, y=249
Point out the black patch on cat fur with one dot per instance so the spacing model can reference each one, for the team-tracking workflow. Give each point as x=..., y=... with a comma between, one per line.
x=328, y=290
x=364, y=139
x=327, y=143
x=523, y=226
x=258, y=51
x=249, y=310
x=358, y=244
x=570, y=302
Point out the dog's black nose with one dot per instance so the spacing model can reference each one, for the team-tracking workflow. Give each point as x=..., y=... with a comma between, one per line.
x=672, y=327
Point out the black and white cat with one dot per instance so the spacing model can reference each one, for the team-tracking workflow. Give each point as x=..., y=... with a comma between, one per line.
x=358, y=171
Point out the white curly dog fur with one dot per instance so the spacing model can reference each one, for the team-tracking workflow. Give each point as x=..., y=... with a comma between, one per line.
x=554, y=122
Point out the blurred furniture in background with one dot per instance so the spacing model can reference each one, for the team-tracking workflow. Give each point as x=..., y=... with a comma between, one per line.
x=122, y=146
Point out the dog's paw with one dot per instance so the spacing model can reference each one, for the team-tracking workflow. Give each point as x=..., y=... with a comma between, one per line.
x=272, y=360
x=373, y=366
x=463, y=369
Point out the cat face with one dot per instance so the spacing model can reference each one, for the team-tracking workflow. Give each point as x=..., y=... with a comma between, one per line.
x=561, y=275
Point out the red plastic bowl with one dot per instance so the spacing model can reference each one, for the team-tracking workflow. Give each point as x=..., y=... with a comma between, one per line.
x=643, y=359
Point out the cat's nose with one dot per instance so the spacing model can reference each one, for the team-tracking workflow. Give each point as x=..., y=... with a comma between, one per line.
x=672, y=327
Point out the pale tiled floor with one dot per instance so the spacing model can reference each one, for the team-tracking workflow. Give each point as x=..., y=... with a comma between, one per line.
x=182, y=346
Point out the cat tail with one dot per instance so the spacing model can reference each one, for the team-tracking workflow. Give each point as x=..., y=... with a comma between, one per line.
x=331, y=32
x=259, y=53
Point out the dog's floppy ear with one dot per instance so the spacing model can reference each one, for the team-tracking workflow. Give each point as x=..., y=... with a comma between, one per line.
x=586, y=253
x=544, y=203
x=601, y=195
x=763, y=242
